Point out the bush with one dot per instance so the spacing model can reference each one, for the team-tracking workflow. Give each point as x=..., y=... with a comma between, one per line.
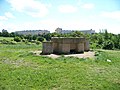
x=4, y=41
x=23, y=40
x=34, y=37
x=17, y=39
x=108, y=45
x=41, y=39
x=37, y=42
x=47, y=37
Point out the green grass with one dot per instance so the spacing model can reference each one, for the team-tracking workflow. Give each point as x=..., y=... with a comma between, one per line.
x=22, y=70
x=7, y=38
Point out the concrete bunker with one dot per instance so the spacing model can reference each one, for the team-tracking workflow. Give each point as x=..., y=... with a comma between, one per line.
x=64, y=45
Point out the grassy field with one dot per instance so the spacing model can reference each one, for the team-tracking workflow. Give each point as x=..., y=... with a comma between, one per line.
x=7, y=38
x=20, y=69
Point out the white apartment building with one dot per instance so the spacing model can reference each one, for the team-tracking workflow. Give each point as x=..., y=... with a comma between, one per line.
x=32, y=32
x=59, y=30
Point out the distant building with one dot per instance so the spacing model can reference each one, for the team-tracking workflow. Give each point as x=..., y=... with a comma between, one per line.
x=88, y=31
x=32, y=32
x=59, y=30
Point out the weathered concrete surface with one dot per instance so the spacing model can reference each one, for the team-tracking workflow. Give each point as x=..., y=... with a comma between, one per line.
x=47, y=48
x=65, y=45
x=86, y=45
x=80, y=47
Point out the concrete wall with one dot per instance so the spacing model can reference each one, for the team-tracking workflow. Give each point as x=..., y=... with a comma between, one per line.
x=86, y=45
x=66, y=45
x=67, y=40
x=47, y=48
x=64, y=48
x=55, y=47
x=73, y=46
x=80, y=47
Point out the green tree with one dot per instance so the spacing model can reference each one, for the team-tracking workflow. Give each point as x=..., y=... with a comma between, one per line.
x=34, y=37
x=0, y=34
x=47, y=37
x=12, y=34
x=106, y=35
x=41, y=39
x=5, y=34
x=28, y=37
x=17, y=39
x=108, y=45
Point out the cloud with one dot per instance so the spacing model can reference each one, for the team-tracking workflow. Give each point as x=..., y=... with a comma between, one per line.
x=112, y=15
x=9, y=15
x=3, y=18
x=33, y=8
x=88, y=6
x=67, y=9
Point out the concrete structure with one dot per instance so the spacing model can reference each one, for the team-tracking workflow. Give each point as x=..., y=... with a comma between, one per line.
x=32, y=32
x=59, y=30
x=63, y=45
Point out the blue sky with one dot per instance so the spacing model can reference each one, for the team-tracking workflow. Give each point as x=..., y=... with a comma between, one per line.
x=16, y=15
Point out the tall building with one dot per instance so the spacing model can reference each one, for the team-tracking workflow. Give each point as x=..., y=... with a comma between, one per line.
x=32, y=32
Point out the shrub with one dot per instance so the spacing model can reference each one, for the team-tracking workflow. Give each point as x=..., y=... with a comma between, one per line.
x=4, y=41
x=37, y=42
x=41, y=39
x=108, y=45
x=17, y=39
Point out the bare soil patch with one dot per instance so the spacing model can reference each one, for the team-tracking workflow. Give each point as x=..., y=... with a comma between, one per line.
x=89, y=54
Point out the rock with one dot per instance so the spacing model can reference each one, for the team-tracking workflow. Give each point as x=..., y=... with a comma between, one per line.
x=109, y=60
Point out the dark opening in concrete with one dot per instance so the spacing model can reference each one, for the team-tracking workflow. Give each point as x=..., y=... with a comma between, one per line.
x=72, y=51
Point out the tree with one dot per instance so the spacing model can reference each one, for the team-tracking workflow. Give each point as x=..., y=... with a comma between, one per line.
x=17, y=39
x=34, y=37
x=5, y=34
x=100, y=39
x=0, y=34
x=116, y=40
x=28, y=37
x=108, y=45
x=54, y=34
x=41, y=39
x=47, y=37
x=106, y=35
x=12, y=34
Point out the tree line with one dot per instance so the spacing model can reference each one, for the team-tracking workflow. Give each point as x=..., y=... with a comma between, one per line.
x=101, y=40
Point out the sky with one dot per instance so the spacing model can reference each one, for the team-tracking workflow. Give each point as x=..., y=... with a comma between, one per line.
x=17, y=15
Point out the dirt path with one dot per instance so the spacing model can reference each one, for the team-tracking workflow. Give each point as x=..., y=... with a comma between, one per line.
x=84, y=55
